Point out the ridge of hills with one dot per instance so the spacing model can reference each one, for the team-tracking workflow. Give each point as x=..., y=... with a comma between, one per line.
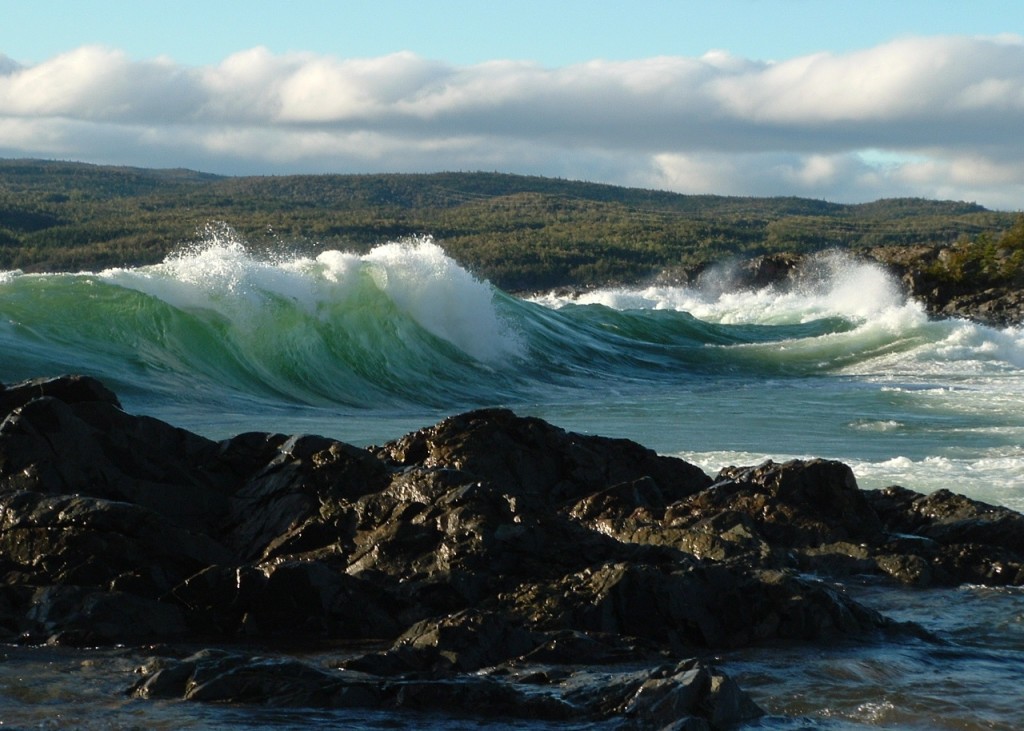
x=519, y=232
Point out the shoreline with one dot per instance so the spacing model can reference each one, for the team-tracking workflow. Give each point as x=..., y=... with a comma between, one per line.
x=489, y=554
x=994, y=306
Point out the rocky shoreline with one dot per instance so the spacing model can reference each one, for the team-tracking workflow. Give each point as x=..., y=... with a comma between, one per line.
x=912, y=266
x=484, y=565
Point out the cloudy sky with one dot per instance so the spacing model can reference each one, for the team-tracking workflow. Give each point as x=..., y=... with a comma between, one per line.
x=836, y=99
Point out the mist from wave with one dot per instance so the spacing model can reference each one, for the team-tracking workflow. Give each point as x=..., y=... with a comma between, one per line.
x=367, y=347
x=363, y=347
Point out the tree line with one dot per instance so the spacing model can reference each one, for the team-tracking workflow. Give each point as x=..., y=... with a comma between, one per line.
x=520, y=232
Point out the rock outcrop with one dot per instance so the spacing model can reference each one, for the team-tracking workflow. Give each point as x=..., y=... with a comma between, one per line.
x=484, y=552
x=969, y=298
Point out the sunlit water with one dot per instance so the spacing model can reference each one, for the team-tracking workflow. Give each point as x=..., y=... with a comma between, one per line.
x=367, y=348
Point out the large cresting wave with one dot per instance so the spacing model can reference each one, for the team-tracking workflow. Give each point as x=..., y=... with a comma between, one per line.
x=405, y=324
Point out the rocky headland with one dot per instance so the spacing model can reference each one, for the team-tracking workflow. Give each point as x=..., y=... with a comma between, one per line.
x=920, y=270
x=484, y=565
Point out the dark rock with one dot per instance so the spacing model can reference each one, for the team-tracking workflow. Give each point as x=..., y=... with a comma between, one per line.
x=483, y=550
x=541, y=464
x=93, y=448
x=797, y=503
x=464, y=642
x=971, y=297
x=288, y=503
x=768, y=270
x=82, y=616
x=946, y=538
x=219, y=676
x=69, y=389
x=83, y=541
x=806, y=514
x=689, y=694
x=946, y=518
x=317, y=598
x=700, y=607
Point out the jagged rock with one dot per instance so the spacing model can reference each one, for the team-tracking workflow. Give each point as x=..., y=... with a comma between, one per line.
x=699, y=607
x=285, y=504
x=689, y=694
x=83, y=541
x=797, y=503
x=949, y=539
x=947, y=518
x=463, y=642
x=93, y=448
x=468, y=552
x=80, y=616
x=69, y=389
x=537, y=462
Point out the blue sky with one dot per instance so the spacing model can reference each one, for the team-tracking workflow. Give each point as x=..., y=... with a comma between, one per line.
x=843, y=100
x=550, y=32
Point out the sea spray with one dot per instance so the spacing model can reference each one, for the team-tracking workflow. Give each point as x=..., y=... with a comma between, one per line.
x=365, y=346
x=835, y=285
x=443, y=297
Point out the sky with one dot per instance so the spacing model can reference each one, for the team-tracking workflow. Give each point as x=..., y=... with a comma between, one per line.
x=842, y=100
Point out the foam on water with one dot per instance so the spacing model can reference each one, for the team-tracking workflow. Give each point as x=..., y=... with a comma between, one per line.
x=443, y=297
x=368, y=347
x=839, y=366
x=996, y=476
x=221, y=275
x=841, y=287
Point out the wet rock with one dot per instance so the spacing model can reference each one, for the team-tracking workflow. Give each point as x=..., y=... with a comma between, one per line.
x=946, y=517
x=689, y=694
x=84, y=541
x=768, y=270
x=287, y=503
x=705, y=606
x=220, y=676
x=70, y=389
x=93, y=448
x=475, y=554
x=466, y=641
x=796, y=503
x=973, y=295
x=944, y=538
x=541, y=464
x=82, y=616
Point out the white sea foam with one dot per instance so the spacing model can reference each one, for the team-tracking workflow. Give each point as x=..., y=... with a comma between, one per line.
x=220, y=274
x=891, y=337
x=996, y=476
x=443, y=297
x=842, y=287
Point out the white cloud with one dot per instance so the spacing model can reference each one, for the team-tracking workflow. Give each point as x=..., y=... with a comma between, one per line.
x=943, y=112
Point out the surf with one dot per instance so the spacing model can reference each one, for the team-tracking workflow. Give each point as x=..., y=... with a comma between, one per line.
x=363, y=346
x=405, y=324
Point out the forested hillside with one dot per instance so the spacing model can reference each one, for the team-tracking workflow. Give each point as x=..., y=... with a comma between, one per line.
x=520, y=232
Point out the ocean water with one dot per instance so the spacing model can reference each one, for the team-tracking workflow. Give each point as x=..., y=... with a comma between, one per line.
x=365, y=348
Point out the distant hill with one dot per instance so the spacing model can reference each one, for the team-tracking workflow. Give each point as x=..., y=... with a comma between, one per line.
x=520, y=232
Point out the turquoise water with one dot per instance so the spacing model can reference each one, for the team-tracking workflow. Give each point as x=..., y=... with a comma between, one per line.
x=365, y=348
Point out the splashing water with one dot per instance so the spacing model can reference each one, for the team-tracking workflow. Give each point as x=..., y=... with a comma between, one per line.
x=365, y=348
